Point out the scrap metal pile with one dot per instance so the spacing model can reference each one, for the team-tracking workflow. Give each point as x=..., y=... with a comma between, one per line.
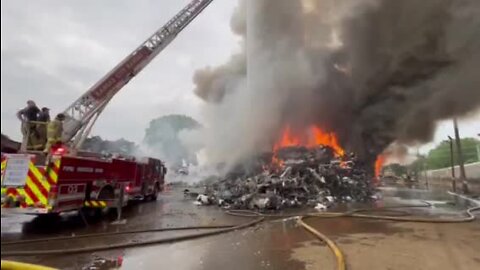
x=293, y=177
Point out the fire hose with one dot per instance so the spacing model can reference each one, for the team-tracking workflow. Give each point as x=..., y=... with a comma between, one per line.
x=340, y=261
x=11, y=265
x=358, y=213
x=224, y=229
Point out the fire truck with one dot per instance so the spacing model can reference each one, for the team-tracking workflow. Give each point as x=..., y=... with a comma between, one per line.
x=67, y=178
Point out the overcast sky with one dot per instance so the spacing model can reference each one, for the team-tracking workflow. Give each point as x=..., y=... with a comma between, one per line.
x=52, y=51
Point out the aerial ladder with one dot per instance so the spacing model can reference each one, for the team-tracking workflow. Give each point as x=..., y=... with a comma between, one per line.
x=56, y=182
x=83, y=112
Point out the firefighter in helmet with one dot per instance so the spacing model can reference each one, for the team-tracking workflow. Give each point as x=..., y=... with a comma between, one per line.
x=54, y=132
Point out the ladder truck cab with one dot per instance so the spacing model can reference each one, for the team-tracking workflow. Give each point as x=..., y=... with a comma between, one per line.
x=69, y=179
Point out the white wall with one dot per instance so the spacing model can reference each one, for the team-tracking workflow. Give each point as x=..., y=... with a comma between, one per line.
x=472, y=171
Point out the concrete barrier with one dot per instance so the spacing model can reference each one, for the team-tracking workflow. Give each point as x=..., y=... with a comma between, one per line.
x=472, y=170
x=446, y=184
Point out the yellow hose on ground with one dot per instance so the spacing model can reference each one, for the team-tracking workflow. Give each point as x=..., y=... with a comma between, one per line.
x=359, y=213
x=333, y=247
x=341, y=265
x=11, y=265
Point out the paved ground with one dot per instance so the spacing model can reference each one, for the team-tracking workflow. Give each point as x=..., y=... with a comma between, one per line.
x=280, y=244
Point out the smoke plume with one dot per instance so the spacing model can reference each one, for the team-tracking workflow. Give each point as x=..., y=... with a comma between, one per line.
x=372, y=71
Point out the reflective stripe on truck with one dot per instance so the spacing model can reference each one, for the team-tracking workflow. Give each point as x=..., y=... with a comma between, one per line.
x=26, y=183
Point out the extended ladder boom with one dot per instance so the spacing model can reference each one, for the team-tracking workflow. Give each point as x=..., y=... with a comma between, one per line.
x=82, y=114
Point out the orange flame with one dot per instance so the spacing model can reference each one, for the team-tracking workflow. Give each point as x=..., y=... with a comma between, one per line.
x=287, y=139
x=320, y=137
x=313, y=137
x=379, y=165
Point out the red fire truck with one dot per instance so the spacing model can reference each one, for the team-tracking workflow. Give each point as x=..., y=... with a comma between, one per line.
x=68, y=183
x=68, y=179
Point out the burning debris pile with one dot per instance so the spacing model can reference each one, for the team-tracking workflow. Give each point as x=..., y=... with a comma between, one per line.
x=373, y=71
x=294, y=176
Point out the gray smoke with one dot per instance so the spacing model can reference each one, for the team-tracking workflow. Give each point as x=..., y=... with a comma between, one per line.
x=372, y=71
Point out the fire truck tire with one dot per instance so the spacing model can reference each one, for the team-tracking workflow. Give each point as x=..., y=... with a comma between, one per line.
x=156, y=189
x=91, y=214
x=49, y=216
x=153, y=196
x=46, y=219
x=107, y=193
x=41, y=222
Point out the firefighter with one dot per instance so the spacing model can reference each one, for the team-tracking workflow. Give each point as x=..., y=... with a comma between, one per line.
x=44, y=115
x=43, y=119
x=54, y=132
x=26, y=115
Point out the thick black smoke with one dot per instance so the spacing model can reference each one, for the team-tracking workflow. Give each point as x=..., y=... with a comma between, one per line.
x=373, y=71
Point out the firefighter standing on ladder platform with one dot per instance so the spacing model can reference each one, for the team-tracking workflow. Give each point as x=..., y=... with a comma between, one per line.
x=54, y=132
x=40, y=190
x=43, y=120
x=28, y=115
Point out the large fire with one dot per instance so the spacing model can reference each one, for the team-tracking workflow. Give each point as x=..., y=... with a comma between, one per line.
x=379, y=165
x=314, y=136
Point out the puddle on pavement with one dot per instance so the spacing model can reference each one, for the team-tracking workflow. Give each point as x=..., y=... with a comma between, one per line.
x=279, y=244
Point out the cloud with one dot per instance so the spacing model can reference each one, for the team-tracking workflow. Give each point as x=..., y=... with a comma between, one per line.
x=52, y=51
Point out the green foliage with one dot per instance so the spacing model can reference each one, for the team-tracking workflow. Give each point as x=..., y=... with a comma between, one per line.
x=396, y=169
x=98, y=145
x=162, y=136
x=440, y=157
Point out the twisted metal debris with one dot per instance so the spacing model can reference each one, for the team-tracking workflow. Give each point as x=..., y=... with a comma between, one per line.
x=293, y=177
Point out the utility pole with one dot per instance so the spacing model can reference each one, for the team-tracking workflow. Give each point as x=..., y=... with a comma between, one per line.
x=463, y=177
x=478, y=152
x=417, y=166
x=478, y=149
x=452, y=164
x=425, y=174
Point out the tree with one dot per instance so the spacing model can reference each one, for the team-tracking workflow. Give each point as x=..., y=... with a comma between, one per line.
x=396, y=169
x=162, y=135
x=98, y=145
x=440, y=157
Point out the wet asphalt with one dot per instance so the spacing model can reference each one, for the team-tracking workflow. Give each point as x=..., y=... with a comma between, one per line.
x=275, y=244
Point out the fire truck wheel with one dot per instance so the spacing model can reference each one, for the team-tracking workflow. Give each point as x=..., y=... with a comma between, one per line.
x=155, y=193
x=106, y=193
x=46, y=220
x=90, y=214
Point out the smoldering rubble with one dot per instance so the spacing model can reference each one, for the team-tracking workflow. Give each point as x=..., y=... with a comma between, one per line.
x=292, y=177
